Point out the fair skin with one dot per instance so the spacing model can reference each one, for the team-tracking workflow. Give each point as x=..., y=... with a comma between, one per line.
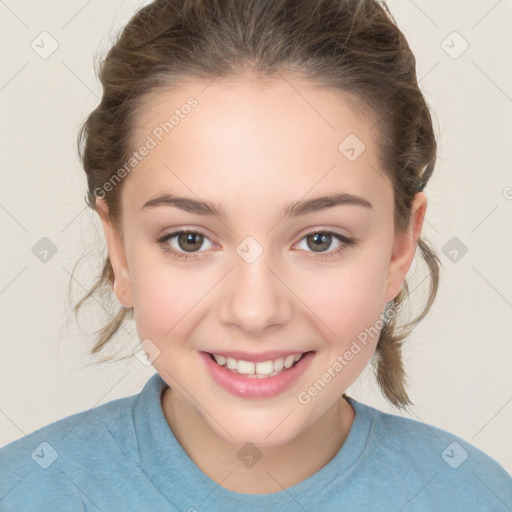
x=252, y=147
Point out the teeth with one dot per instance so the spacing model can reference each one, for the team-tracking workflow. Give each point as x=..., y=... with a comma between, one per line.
x=278, y=364
x=231, y=363
x=265, y=367
x=289, y=361
x=260, y=370
x=221, y=360
x=246, y=367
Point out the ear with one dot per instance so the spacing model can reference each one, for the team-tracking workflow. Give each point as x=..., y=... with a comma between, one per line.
x=404, y=247
x=122, y=284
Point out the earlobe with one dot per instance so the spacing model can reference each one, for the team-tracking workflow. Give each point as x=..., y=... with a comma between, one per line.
x=116, y=250
x=404, y=248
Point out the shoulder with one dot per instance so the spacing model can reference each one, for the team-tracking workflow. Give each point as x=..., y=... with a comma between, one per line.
x=436, y=462
x=43, y=461
x=74, y=433
x=432, y=445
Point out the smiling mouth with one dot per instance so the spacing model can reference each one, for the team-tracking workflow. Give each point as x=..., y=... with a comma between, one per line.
x=259, y=370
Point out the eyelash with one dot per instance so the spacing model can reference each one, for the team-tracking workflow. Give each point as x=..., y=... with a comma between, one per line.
x=177, y=255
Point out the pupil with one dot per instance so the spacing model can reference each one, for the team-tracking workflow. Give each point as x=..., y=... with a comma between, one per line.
x=319, y=240
x=188, y=238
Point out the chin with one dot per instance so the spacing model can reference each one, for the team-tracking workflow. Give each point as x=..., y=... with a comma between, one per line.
x=263, y=434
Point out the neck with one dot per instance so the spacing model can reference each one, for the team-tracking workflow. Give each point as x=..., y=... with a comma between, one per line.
x=280, y=467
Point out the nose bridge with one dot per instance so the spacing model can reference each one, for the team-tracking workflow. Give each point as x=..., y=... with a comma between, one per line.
x=255, y=298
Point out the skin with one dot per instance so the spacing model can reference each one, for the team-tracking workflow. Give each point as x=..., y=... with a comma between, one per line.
x=253, y=146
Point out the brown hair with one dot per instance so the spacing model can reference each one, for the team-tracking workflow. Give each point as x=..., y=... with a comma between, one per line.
x=353, y=46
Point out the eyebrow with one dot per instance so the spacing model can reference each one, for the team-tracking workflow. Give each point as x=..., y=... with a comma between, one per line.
x=294, y=209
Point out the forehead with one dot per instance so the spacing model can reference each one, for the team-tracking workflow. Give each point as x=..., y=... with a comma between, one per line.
x=255, y=139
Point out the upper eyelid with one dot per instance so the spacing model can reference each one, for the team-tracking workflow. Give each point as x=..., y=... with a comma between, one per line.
x=177, y=231
x=196, y=231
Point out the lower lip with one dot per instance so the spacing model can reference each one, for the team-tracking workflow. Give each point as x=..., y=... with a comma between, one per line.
x=247, y=387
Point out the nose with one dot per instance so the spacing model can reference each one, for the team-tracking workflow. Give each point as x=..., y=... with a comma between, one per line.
x=255, y=298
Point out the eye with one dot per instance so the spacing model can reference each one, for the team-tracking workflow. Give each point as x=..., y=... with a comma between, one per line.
x=183, y=244
x=320, y=241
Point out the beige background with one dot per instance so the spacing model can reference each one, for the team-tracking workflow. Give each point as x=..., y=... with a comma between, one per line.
x=458, y=359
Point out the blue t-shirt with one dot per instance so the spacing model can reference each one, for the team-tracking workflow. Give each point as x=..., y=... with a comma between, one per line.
x=123, y=456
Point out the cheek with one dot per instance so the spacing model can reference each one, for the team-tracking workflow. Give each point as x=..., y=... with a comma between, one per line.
x=165, y=296
x=349, y=303
x=343, y=301
x=348, y=298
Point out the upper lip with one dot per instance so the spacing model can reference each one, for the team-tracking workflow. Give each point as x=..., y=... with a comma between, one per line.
x=257, y=357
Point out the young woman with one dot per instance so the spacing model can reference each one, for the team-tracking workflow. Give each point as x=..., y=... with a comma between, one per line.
x=259, y=171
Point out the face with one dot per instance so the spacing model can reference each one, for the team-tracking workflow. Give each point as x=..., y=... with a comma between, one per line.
x=257, y=276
